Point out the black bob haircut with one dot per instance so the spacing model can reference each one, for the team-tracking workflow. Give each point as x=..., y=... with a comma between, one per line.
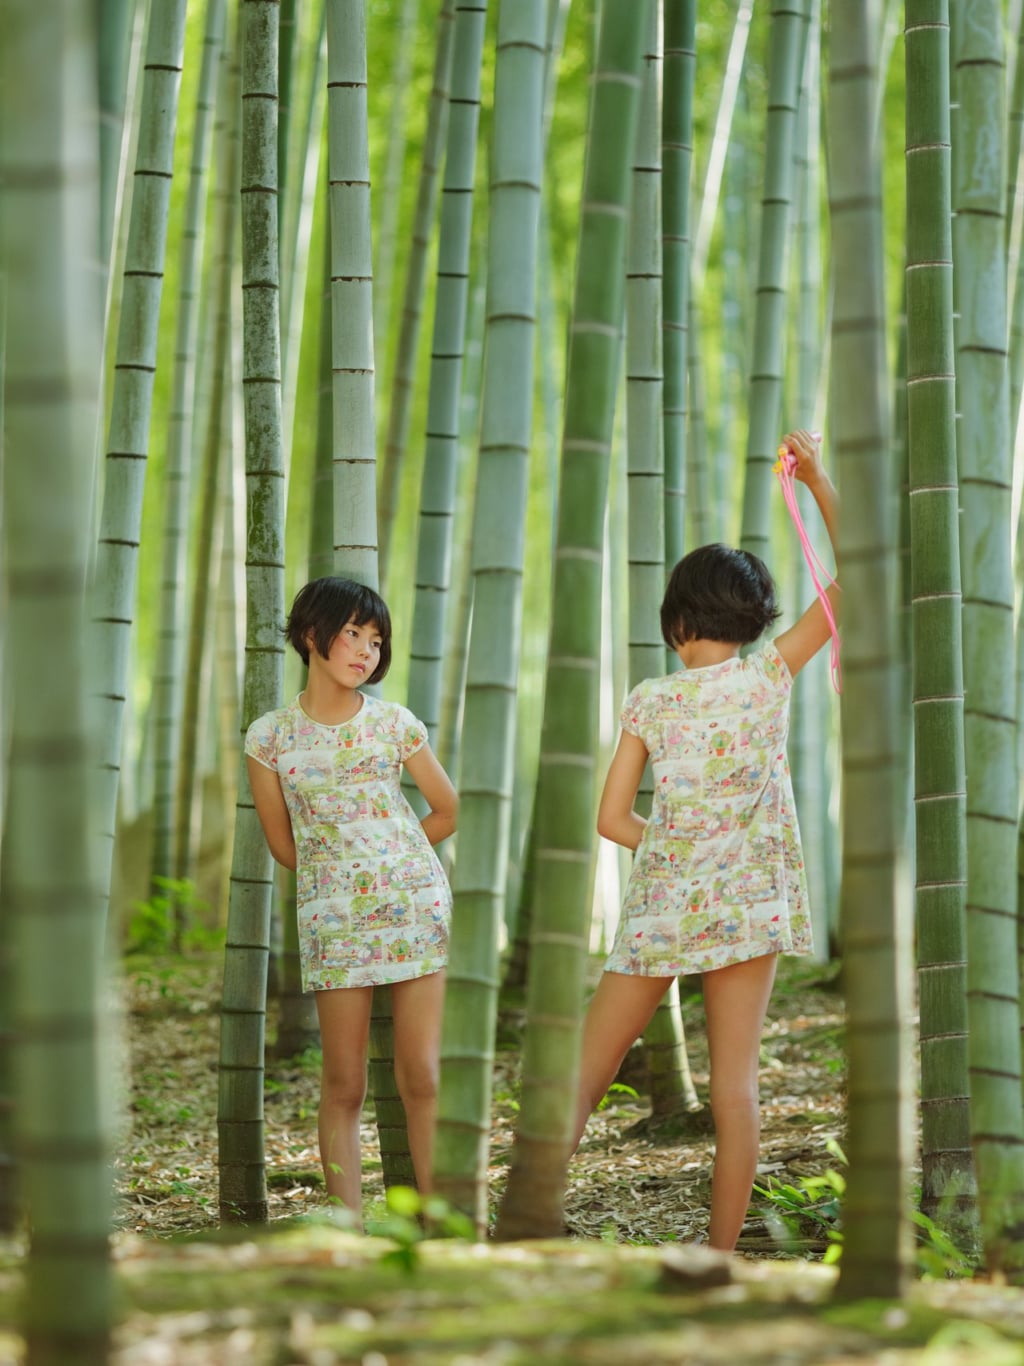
x=717, y=593
x=325, y=607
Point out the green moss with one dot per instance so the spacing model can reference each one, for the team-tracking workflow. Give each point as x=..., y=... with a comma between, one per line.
x=540, y=1304
x=890, y=1320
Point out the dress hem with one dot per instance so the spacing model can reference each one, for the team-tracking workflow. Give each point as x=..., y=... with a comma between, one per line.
x=728, y=961
x=377, y=982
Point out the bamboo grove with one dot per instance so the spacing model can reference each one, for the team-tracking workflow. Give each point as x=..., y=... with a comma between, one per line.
x=643, y=239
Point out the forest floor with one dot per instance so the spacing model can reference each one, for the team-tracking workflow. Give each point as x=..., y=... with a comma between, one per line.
x=625, y=1286
x=628, y=1182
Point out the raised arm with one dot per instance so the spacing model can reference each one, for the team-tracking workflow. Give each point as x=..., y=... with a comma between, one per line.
x=803, y=640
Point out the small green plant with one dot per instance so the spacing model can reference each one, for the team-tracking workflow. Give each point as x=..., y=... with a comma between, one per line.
x=505, y=1096
x=938, y=1256
x=814, y=1201
x=818, y=1200
x=172, y=913
x=617, y=1088
x=310, y=1060
x=407, y=1221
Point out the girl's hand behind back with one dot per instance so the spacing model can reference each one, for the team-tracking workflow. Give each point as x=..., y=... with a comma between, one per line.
x=805, y=449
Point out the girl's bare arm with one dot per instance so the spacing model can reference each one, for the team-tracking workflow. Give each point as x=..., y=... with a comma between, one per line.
x=438, y=792
x=616, y=819
x=803, y=640
x=272, y=811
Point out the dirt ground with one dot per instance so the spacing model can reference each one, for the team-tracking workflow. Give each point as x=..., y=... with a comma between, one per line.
x=627, y=1287
x=625, y=1183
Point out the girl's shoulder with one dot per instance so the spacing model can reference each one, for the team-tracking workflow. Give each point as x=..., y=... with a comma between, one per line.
x=264, y=736
x=273, y=721
x=384, y=714
x=770, y=665
x=647, y=698
x=662, y=686
x=397, y=724
x=763, y=671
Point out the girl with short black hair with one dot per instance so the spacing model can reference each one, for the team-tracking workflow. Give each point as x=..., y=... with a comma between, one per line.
x=373, y=903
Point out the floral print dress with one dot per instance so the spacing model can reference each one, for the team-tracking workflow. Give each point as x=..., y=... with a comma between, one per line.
x=718, y=876
x=373, y=902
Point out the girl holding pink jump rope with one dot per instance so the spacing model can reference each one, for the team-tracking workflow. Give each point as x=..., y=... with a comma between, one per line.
x=717, y=885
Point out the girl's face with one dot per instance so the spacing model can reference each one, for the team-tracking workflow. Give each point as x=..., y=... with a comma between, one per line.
x=353, y=656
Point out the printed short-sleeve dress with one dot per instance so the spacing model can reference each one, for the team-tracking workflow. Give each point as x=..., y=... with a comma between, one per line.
x=373, y=902
x=718, y=877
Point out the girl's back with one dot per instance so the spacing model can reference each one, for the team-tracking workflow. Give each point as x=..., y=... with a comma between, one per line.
x=718, y=876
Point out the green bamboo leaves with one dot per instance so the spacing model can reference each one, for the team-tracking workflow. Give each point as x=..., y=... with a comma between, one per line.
x=947, y=1172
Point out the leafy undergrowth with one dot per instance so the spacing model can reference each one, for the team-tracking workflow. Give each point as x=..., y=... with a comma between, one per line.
x=308, y=1293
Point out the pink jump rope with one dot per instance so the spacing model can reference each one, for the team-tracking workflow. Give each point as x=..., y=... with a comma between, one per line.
x=783, y=468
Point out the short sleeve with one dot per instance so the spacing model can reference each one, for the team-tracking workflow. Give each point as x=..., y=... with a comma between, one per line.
x=261, y=741
x=632, y=714
x=774, y=667
x=411, y=733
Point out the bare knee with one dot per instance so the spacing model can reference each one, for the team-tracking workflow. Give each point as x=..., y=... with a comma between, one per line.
x=417, y=1081
x=343, y=1089
x=733, y=1098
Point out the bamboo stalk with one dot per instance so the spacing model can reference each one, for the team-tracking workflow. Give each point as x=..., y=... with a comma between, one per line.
x=400, y=406
x=875, y=922
x=947, y=1183
x=131, y=405
x=785, y=59
x=983, y=449
x=242, y=1163
x=565, y=800
x=498, y=547
x=55, y=1004
x=168, y=675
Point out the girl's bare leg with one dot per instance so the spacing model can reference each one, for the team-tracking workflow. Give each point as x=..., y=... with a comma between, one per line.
x=344, y=1032
x=735, y=1001
x=618, y=1014
x=416, y=1007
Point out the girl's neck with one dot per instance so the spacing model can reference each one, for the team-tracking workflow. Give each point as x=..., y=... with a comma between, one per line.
x=701, y=654
x=324, y=701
